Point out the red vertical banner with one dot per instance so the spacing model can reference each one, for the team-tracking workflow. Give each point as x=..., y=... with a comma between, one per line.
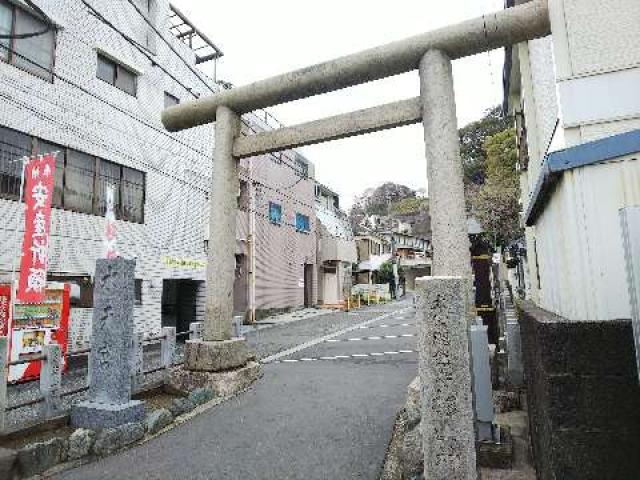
x=5, y=309
x=38, y=192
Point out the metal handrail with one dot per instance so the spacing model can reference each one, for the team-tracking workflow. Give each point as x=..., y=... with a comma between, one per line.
x=31, y=358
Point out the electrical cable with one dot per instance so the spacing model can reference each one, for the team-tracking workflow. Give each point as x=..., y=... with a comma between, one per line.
x=150, y=167
x=141, y=48
x=195, y=72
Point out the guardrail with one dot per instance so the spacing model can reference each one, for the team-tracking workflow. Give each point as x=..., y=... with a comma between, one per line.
x=50, y=388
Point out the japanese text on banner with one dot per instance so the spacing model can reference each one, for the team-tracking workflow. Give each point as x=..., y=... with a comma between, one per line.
x=38, y=192
x=110, y=235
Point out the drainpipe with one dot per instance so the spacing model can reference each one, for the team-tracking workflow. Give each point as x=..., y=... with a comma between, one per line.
x=252, y=246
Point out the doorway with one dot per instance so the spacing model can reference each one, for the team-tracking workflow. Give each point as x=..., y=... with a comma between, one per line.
x=308, y=285
x=179, y=303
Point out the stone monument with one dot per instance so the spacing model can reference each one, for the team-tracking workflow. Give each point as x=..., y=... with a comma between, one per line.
x=109, y=401
x=447, y=407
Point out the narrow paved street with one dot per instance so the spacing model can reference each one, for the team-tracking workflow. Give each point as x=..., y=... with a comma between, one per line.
x=325, y=411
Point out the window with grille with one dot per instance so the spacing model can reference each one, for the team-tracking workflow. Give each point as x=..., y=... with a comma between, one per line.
x=302, y=223
x=80, y=179
x=33, y=54
x=117, y=75
x=13, y=147
x=275, y=213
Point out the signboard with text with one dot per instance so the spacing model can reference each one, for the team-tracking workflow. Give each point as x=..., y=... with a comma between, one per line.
x=38, y=191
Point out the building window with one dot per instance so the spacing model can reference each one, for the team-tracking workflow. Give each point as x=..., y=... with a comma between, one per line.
x=80, y=178
x=302, y=223
x=133, y=194
x=33, y=54
x=275, y=213
x=13, y=147
x=117, y=75
x=170, y=100
x=43, y=147
x=79, y=174
x=138, y=291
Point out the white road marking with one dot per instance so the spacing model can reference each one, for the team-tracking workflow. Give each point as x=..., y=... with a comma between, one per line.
x=336, y=340
x=311, y=343
x=355, y=355
x=383, y=325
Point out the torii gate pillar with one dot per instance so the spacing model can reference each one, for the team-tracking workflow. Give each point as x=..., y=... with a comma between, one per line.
x=448, y=435
x=218, y=351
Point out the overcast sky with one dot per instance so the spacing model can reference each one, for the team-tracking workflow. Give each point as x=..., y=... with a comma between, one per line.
x=265, y=38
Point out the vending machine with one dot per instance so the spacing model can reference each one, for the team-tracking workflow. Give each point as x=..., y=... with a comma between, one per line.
x=32, y=326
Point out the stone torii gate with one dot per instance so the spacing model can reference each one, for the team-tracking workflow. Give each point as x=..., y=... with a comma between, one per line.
x=448, y=430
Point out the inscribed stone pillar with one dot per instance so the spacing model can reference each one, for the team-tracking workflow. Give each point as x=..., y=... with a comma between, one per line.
x=222, y=229
x=447, y=410
x=444, y=167
x=109, y=401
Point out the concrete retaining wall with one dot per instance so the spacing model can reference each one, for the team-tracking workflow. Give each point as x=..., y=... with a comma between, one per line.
x=583, y=394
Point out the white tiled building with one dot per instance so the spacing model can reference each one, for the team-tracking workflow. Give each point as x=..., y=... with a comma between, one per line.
x=576, y=99
x=93, y=88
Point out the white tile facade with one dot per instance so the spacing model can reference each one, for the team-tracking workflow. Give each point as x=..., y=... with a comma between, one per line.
x=82, y=112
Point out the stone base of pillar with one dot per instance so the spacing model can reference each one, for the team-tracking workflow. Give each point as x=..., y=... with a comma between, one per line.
x=201, y=356
x=222, y=383
x=97, y=416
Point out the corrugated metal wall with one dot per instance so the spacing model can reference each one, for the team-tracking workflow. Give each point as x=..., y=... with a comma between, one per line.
x=579, y=243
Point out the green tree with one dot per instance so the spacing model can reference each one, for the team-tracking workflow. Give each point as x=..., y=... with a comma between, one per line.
x=472, y=140
x=385, y=274
x=495, y=203
x=502, y=156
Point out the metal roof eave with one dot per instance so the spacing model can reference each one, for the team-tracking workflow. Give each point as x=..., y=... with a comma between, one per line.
x=582, y=155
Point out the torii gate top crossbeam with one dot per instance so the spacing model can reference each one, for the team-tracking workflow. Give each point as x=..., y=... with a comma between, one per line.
x=500, y=29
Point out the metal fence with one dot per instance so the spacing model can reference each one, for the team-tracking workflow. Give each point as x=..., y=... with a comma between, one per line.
x=51, y=394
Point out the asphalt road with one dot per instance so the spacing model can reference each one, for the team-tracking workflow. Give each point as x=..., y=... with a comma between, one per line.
x=323, y=412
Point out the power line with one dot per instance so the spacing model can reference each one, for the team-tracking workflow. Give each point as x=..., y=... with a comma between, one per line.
x=159, y=34
x=140, y=47
x=163, y=132
x=194, y=71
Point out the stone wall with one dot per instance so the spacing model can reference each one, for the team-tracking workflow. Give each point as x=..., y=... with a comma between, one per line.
x=583, y=394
